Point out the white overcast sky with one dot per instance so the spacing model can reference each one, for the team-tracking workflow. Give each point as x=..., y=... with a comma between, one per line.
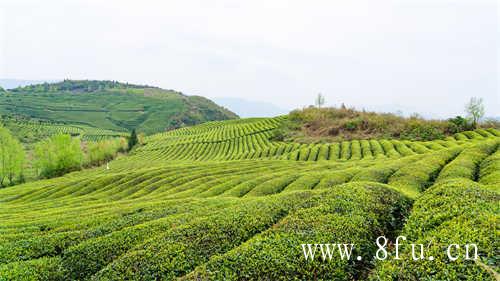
x=426, y=56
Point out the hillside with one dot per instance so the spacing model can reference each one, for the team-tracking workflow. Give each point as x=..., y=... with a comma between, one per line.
x=222, y=200
x=109, y=105
x=329, y=124
x=30, y=131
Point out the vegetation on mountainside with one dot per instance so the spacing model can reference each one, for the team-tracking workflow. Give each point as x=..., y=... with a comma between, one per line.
x=109, y=105
x=99, y=114
x=251, y=139
x=30, y=131
x=314, y=124
x=221, y=200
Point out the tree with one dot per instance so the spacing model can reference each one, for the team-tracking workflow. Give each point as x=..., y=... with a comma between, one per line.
x=458, y=124
x=103, y=151
x=132, y=140
x=320, y=100
x=475, y=110
x=12, y=157
x=58, y=155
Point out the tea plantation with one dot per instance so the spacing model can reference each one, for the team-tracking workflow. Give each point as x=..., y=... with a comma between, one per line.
x=221, y=201
x=31, y=131
x=109, y=105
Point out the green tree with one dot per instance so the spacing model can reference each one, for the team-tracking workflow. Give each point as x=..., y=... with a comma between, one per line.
x=58, y=155
x=132, y=140
x=475, y=110
x=103, y=151
x=458, y=124
x=12, y=158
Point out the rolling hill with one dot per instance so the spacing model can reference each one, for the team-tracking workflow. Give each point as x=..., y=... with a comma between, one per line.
x=109, y=105
x=223, y=201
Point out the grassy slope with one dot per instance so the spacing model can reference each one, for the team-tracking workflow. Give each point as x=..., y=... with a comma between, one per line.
x=222, y=201
x=110, y=105
x=333, y=124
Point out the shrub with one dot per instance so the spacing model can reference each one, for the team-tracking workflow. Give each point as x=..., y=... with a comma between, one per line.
x=334, y=178
x=178, y=251
x=39, y=269
x=12, y=158
x=334, y=152
x=323, y=152
x=389, y=149
x=466, y=165
x=366, y=149
x=381, y=172
x=455, y=212
x=304, y=153
x=272, y=186
x=377, y=150
x=417, y=176
x=304, y=182
x=355, y=150
x=401, y=148
x=458, y=124
x=352, y=213
x=58, y=155
x=422, y=130
x=345, y=150
x=489, y=171
x=104, y=151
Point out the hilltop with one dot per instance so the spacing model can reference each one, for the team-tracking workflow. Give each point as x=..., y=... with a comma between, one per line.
x=312, y=125
x=109, y=105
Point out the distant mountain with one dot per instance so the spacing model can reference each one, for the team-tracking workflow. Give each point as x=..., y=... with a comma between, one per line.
x=246, y=108
x=110, y=105
x=14, y=83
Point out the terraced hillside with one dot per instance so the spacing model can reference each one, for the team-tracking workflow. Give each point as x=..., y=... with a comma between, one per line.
x=110, y=105
x=30, y=131
x=220, y=201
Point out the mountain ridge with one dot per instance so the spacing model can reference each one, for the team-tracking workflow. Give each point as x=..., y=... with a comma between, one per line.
x=110, y=105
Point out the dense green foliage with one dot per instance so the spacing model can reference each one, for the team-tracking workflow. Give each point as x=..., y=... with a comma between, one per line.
x=100, y=152
x=489, y=171
x=30, y=131
x=58, y=155
x=252, y=139
x=222, y=200
x=356, y=212
x=12, y=158
x=110, y=105
x=455, y=212
x=459, y=124
x=133, y=140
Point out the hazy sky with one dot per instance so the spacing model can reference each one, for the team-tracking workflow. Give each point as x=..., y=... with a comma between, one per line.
x=426, y=56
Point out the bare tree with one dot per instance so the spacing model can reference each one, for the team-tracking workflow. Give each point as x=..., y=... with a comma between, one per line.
x=320, y=100
x=475, y=110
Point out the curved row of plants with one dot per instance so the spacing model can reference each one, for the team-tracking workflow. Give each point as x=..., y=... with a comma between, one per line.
x=149, y=218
